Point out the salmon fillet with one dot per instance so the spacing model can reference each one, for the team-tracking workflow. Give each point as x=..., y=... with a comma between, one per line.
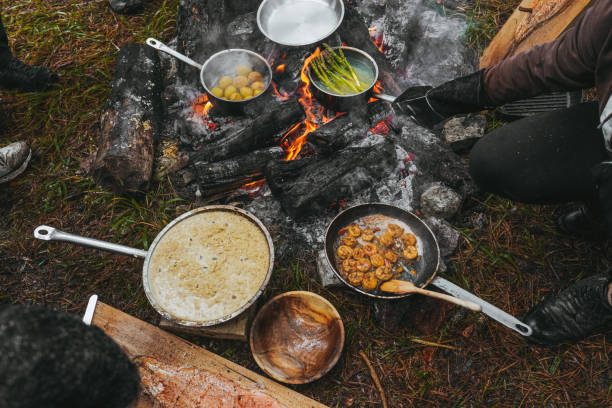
x=189, y=387
x=542, y=11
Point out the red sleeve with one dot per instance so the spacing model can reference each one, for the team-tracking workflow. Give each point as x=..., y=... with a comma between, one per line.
x=569, y=62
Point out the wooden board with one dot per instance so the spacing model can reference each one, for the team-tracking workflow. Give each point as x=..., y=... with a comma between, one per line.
x=138, y=338
x=504, y=45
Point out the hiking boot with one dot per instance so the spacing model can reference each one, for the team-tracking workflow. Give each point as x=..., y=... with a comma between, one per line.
x=14, y=159
x=19, y=75
x=578, y=311
x=583, y=223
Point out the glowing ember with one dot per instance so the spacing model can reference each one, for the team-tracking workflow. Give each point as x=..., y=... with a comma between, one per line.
x=280, y=69
x=377, y=88
x=201, y=107
x=381, y=128
x=280, y=95
x=295, y=138
x=377, y=38
x=253, y=187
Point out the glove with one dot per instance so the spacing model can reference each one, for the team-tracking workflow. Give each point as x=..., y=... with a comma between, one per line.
x=578, y=311
x=429, y=106
x=603, y=178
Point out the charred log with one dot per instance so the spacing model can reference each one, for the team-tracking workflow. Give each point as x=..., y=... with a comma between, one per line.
x=254, y=133
x=234, y=172
x=130, y=122
x=336, y=177
x=346, y=129
x=355, y=33
x=336, y=134
x=205, y=27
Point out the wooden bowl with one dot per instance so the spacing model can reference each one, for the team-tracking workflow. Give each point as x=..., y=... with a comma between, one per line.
x=297, y=337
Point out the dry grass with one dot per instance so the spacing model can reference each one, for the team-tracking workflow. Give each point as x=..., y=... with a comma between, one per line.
x=513, y=261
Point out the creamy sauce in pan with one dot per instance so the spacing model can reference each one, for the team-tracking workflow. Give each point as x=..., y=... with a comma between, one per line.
x=208, y=266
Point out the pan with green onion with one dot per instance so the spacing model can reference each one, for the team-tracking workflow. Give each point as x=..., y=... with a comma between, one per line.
x=343, y=77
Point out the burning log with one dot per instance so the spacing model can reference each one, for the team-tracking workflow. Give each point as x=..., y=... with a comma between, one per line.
x=355, y=33
x=309, y=186
x=235, y=172
x=342, y=131
x=130, y=122
x=253, y=132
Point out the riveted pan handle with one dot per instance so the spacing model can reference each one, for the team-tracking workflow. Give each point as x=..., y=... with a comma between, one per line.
x=51, y=234
x=493, y=312
x=158, y=45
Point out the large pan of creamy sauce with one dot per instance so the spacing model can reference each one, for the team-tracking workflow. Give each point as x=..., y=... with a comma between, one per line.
x=208, y=265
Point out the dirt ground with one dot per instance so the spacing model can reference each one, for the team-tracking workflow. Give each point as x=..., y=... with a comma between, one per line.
x=510, y=254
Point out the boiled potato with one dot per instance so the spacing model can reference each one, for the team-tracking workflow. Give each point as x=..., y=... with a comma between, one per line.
x=218, y=92
x=254, y=76
x=229, y=91
x=240, y=81
x=224, y=82
x=257, y=92
x=257, y=85
x=243, y=69
x=235, y=97
x=246, y=92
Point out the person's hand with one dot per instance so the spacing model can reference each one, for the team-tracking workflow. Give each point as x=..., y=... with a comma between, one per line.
x=603, y=178
x=429, y=106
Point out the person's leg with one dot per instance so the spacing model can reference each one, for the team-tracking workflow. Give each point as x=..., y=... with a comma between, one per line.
x=542, y=159
x=14, y=74
x=548, y=159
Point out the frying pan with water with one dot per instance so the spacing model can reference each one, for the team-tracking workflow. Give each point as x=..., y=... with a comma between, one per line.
x=426, y=267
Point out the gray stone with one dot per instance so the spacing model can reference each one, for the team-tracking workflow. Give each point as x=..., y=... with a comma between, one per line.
x=448, y=237
x=462, y=132
x=435, y=161
x=126, y=6
x=440, y=201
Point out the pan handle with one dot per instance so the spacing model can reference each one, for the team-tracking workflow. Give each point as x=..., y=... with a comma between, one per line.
x=51, y=234
x=158, y=45
x=493, y=312
x=384, y=97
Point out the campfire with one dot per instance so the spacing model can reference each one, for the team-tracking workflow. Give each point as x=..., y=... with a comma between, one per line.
x=288, y=151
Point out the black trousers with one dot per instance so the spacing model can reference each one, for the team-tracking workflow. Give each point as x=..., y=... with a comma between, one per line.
x=542, y=159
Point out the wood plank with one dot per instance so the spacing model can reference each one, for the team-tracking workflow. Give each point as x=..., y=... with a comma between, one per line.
x=138, y=338
x=504, y=44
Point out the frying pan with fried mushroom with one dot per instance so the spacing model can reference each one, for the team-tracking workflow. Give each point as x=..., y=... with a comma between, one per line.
x=421, y=271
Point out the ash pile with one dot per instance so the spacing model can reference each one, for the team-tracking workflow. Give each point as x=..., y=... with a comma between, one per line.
x=288, y=159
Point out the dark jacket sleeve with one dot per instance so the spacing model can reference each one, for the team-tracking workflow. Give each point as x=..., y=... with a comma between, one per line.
x=569, y=62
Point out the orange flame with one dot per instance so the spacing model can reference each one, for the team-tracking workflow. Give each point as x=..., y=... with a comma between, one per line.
x=294, y=139
x=377, y=38
x=201, y=106
x=280, y=96
x=377, y=88
x=280, y=69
